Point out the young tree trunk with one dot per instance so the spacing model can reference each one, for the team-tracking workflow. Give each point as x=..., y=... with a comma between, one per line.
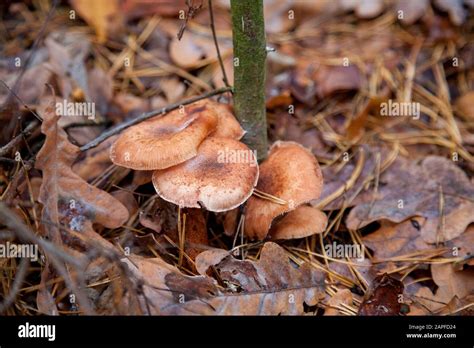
x=249, y=72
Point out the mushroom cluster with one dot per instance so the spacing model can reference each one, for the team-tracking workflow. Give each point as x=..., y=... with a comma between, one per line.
x=185, y=148
x=292, y=174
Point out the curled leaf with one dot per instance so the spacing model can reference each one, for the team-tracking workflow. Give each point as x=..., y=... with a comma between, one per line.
x=269, y=286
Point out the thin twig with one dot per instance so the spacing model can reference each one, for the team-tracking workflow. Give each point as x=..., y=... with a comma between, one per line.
x=91, y=124
x=192, y=11
x=16, y=140
x=214, y=36
x=149, y=115
x=13, y=93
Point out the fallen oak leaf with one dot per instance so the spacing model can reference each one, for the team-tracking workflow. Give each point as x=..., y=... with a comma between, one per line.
x=451, y=284
x=393, y=240
x=459, y=306
x=65, y=196
x=70, y=204
x=209, y=258
x=309, y=80
x=278, y=286
x=396, y=239
x=272, y=272
x=401, y=197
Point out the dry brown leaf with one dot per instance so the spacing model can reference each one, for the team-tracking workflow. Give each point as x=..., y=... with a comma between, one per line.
x=269, y=286
x=65, y=196
x=172, y=88
x=129, y=103
x=70, y=204
x=383, y=300
x=356, y=127
x=100, y=85
x=412, y=10
x=455, y=305
x=104, y=16
x=444, y=199
x=209, y=258
x=397, y=239
x=140, y=8
x=343, y=296
x=152, y=222
x=94, y=162
x=363, y=8
x=218, y=76
x=128, y=200
x=451, y=283
x=393, y=239
x=454, y=8
x=66, y=59
x=191, y=50
x=33, y=83
x=334, y=79
x=277, y=17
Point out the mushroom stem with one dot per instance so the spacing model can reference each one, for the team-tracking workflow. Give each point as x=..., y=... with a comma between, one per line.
x=248, y=30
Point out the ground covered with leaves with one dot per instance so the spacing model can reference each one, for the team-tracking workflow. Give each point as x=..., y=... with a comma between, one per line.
x=385, y=223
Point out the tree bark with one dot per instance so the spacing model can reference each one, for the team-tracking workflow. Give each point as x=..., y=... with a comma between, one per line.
x=248, y=29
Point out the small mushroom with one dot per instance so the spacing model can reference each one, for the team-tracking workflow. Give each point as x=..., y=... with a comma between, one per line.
x=212, y=178
x=290, y=173
x=163, y=142
x=302, y=222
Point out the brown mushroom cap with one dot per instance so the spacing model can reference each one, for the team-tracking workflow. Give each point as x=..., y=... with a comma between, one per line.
x=211, y=178
x=227, y=125
x=162, y=142
x=302, y=222
x=291, y=173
